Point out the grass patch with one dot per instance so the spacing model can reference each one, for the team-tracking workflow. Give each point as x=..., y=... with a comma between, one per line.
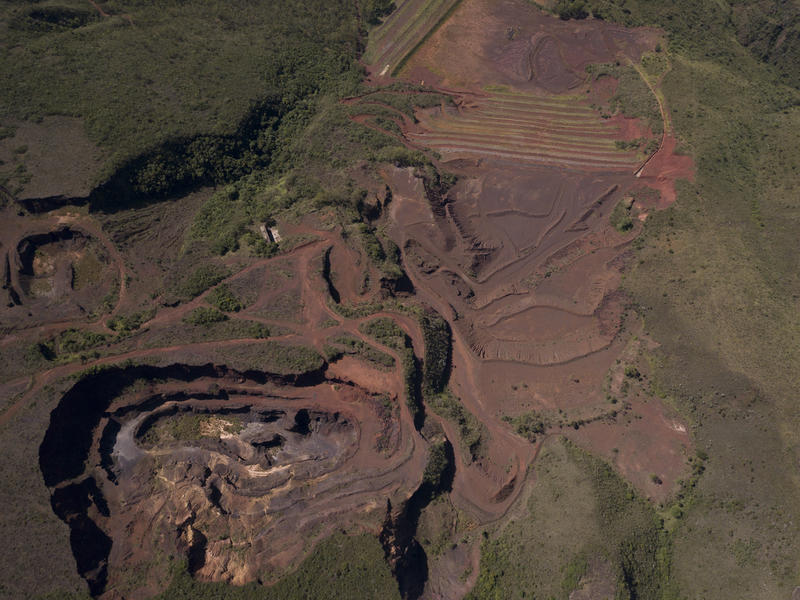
x=283, y=306
x=578, y=509
x=437, y=338
x=716, y=280
x=68, y=346
x=189, y=427
x=87, y=270
x=633, y=97
x=390, y=334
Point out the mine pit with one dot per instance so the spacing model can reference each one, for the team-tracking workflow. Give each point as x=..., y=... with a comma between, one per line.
x=193, y=471
x=65, y=271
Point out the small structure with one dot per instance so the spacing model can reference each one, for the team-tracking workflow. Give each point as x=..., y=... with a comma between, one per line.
x=271, y=234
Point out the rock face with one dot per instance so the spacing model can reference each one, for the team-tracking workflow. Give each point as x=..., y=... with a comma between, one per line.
x=232, y=475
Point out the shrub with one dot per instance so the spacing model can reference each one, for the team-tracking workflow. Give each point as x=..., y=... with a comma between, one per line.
x=620, y=217
x=632, y=372
x=571, y=9
x=436, y=334
x=123, y=324
x=471, y=432
x=224, y=299
x=202, y=278
x=528, y=425
x=438, y=464
x=74, y=340
x=387, y=332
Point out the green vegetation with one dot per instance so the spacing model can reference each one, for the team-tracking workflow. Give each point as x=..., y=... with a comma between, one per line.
x=284, y=306
x=199, y=280
x=411, y=385
x=570, y=9
x=439, y=523
x=383, y=253
x=439, y=464
x=187, y=109
x=633, y=97
x=107, y=302
x=436, y=334
x=472, y=433
x=401, y=156
x=124, y=324
x=341, y=566
x=632, y=372
x=204, y=316
x=407, y=28
x=435, y=373
x=528, y=425
x=204, y=325
x=190, y=427
x=68, y=346
x=716, y=278
x=72, y=341
x=390, y=334
x=376, y=10
x=573, y=571
x=182, y=427
x=356, y=347
x=620, y=218
x=401, y=97
x=224, y=299
x=579, y=508
x=87, y=270
x=387, y=332
x=272, y=357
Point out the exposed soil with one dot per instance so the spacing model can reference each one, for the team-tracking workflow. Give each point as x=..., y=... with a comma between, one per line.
x=521, y=258
x=211, y=455
x=489, y=43
x=236, y=472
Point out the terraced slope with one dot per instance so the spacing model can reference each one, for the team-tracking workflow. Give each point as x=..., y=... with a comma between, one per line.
x=554, y=130
x=404, y=31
